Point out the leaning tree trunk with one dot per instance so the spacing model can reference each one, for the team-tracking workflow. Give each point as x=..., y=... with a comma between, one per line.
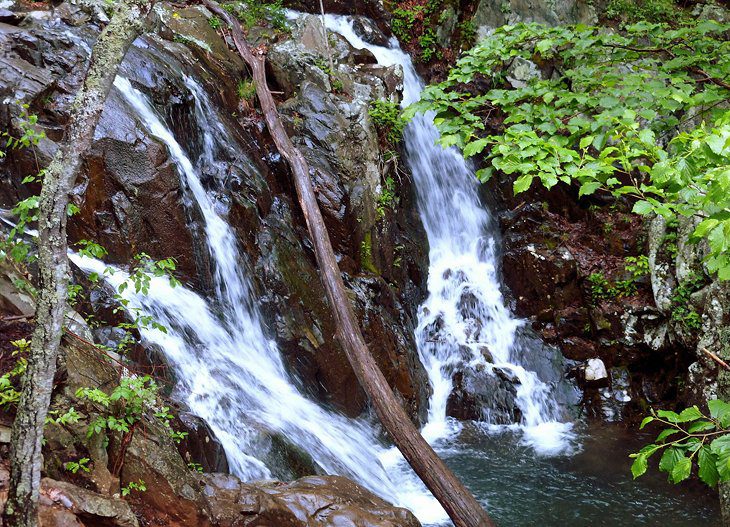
x=460, y=504
x=58, y=180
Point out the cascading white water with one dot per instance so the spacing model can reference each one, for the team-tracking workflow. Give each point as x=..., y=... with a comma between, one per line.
x=464, y=301
x=229, y=372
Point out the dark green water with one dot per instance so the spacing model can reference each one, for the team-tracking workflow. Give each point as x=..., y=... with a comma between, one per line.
x=592, y=488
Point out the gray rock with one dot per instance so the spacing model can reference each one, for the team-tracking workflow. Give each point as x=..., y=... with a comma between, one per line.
x=495, y=13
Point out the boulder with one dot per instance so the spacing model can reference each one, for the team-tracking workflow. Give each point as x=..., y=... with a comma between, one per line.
x=318, y=501
x=63, y=504
x=483, y=395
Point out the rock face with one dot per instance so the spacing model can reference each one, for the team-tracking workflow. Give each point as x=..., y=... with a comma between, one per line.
x=132, y=200
x=494, y=13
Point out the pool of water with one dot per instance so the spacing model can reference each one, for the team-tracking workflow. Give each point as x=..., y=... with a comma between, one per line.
x=591, y=488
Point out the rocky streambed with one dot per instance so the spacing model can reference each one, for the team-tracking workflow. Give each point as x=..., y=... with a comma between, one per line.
x=133, y=198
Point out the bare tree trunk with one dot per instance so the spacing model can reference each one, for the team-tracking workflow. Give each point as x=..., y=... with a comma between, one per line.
x=58, y=180
x=460, y=504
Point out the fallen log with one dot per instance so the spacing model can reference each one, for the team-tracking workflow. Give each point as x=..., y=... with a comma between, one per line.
x=460, y=504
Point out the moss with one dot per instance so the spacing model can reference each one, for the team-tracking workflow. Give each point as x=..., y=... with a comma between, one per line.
x=366, y=254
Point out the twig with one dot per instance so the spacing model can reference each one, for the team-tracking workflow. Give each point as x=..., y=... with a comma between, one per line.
x=716, y=359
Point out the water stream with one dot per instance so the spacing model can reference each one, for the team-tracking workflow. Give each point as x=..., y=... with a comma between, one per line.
x=230, y=373
x=465, y=301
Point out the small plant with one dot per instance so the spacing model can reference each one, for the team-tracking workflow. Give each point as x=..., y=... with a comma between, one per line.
x=133, y=397
x=682, y=311
x=599, y=287
x=214, y=22
x=468, y=33
x=195, y=467
x=74, y=466
x=388, y=120
x=9, y=392
x=690, y=438
x=387, y=199
x=404, y=20
x=637, y=266
x=366, y=254
x=138, y=486
x=255, y=12
x=246, y=90
x=429, y=46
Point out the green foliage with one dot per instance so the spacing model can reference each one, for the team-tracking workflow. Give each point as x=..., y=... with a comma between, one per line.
x=387, y=199
x=366, y=254
x=74, y=466
x=214, y=22
x=255, y=12
x=467, y=33
x=25, y=211
x=126, y=405
x=430, y=47
x=603, y=289
x=636, y=10
x=138, y=486
x=682, y=311
x=606, y=120
x=29, y=136
x=9, y=382
x=637, y=266
x=388, y=120
x=404, y=20
x=195, y=467
x=246, y=90
x=690, y=439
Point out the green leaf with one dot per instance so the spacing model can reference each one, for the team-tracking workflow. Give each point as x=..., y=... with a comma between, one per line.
x=701, y=426
x=719, y=410
x=690, y=414
x=720, y=447
x=665, y=434
x=642, y=207
x=668, y=415
x=588, y=188
x=706, y=461
x=681, y=470
x=645, y=422
x=587, y=140
x=522, y=183
x=639, y=466
x=669, y=459
x=475, y=147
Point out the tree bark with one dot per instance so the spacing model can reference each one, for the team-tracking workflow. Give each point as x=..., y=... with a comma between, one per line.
x=59, y=178
x=459, y=503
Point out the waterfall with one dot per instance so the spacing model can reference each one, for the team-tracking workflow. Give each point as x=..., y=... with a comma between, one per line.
x=229, y=372
x=465, y=301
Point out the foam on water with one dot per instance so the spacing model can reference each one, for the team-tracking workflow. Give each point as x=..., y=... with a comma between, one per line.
x=230, y=373
x=465, y=301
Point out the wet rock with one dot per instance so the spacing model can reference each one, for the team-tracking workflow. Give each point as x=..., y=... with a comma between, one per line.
x=494, y=13
x=309, y=502
x=368, y=31
x=662, y=280
x=62, y=504
x=89, y=506
x=370, y=9
x=200, y=445
x=481, y=395
x=591, y=373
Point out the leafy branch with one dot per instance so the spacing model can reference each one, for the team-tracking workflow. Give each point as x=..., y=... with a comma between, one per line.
x=690, y=438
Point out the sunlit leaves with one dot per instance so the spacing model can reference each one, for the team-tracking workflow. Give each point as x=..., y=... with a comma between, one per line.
x=607, y=120
x=690, y=438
